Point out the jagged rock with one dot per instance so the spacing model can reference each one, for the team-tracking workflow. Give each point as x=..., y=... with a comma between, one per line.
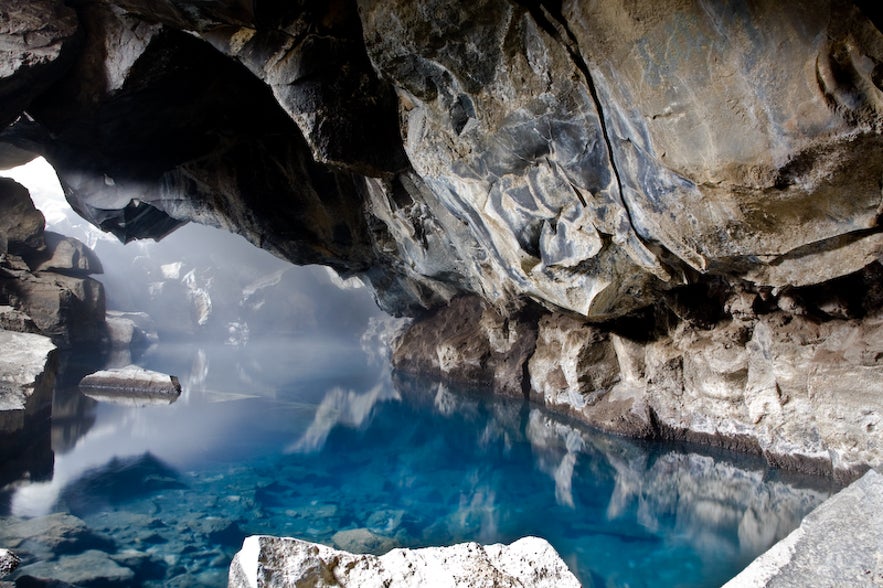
x=530, y=561
x=131, y=385
x=8, y=562
x=838, y=544
x=27, y=377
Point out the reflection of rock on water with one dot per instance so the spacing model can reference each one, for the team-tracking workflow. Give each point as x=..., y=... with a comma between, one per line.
x=721, y=509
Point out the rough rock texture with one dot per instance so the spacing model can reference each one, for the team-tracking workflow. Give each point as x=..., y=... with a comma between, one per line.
x=131, y=385
x=802, y=391
x=685, y=199
x=281, y=562
x=838, y=544
x=27, y=377
x=44, y=277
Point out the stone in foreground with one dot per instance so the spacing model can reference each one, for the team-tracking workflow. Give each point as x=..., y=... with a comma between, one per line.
x=282, y=561
x=840, y=543
x=131, y=385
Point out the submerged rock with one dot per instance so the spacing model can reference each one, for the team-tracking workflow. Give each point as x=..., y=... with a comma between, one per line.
x=90, y=568
x=530, y=561
x=838, y=544
x=131, y=385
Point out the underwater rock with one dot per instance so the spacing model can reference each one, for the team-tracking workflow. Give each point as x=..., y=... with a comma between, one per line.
x=530, y=561
x=837, y=544
x=131, y=385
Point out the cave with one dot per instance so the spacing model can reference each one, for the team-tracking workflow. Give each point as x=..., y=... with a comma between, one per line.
x=660, y=221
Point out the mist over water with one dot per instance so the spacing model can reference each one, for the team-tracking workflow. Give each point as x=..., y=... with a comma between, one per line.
x=290, y=423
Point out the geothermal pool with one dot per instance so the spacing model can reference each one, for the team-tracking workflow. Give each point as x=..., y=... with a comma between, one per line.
x=311, y=439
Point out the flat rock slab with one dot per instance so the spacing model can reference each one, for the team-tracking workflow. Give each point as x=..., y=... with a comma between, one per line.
x=840, y=543
x=131, y=385
x=284, y=561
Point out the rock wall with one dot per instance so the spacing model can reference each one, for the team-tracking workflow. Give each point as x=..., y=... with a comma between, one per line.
x=683, y=198
x=45, y=283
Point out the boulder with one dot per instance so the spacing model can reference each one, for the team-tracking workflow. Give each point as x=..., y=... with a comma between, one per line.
x=130, y=330
x=837, y=544
x=65, y=255
x=131, y=385
x=530, y=561
x=27, y=378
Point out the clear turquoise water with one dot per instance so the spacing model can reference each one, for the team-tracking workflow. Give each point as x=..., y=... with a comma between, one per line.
x=308, y=439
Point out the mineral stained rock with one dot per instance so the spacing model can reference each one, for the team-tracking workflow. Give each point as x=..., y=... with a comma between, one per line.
x=680, y=200
x=282, y=561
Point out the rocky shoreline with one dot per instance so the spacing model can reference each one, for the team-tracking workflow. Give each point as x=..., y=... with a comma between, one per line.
x=771, y=376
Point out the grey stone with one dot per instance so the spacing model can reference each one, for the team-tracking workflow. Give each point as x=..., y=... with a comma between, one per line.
x=131, y=385
x=66, y=255
x=838, y=544
x=530, y=561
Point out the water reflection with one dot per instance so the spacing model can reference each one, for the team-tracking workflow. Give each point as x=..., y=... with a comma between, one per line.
x=311, y=439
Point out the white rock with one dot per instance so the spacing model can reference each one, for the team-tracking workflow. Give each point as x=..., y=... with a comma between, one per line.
x=266, y=561
x=131, y=385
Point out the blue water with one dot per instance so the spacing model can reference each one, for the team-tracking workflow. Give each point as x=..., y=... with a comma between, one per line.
x=310, y=439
